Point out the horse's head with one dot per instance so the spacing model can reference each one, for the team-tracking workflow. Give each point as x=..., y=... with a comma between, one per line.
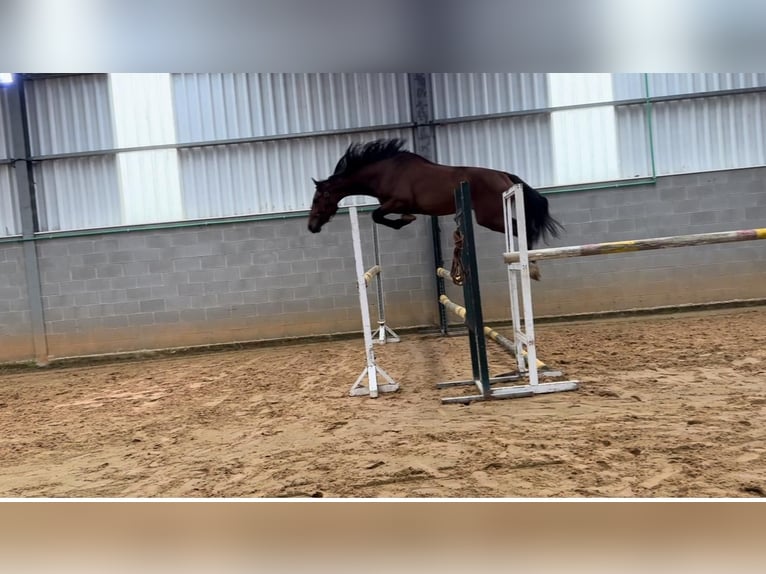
x=323, y=206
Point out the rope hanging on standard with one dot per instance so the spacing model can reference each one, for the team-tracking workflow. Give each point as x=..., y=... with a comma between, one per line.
x=457, y=272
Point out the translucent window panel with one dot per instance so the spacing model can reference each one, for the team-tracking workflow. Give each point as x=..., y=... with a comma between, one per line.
x=142, y=109
x=575, y=89
x=584, y=145
x=150, y=186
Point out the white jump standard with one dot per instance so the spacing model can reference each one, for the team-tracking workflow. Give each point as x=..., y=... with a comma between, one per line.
x=520, y=288
x=518, y=257
x=372, y=370
x=523, y=345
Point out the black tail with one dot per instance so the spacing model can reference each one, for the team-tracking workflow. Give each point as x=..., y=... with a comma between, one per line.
x=540, y=223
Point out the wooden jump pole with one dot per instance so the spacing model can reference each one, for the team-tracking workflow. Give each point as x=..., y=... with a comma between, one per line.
x=630, y=246
x=370, y=273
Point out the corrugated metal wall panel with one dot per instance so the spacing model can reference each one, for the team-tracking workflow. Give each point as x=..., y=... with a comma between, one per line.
x=673, y=84
x=212, y=106
x=78, y=193
x=459, y=95
x=633, y=141
x=263, y=177
x=9, y=208
x=519, y=145
x=230, y=106
x=75, y=114
x=710, y=133
x=71, y=114
x=628, y=86
x=5, y=127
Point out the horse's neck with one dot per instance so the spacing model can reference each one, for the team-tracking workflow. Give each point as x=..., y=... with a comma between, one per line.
x=355, y=185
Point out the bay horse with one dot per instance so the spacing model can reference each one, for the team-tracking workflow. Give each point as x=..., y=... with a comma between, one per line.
x=406, y=184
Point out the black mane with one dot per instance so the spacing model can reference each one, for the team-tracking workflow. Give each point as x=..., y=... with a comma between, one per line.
x=360, y=155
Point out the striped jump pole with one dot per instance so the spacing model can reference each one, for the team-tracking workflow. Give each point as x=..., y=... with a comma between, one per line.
x=490, y=333
x=630, y=246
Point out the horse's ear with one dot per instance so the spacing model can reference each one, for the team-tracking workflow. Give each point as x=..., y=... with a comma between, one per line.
x=315, y=181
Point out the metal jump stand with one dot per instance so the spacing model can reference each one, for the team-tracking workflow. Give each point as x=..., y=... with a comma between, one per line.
x=524, y=341
x=384, y=334
x=372, y=370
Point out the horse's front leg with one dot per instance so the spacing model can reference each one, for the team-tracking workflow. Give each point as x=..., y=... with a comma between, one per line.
x=378, y=216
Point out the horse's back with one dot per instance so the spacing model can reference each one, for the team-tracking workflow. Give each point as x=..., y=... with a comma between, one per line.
x=487, y=181
x=428, y=188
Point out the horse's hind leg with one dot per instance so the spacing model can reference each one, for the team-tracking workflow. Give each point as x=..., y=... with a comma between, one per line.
x=378, y=217
x=495, y=221
x=492, y=219
x=534, y=271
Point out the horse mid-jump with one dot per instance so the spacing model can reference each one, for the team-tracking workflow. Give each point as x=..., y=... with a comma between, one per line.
x=407, y=184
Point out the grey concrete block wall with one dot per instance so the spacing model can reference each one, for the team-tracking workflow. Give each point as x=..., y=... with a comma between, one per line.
x=272, y=279
x=237, y=282
x=16, y=343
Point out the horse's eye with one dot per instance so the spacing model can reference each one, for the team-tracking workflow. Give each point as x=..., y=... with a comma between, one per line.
x=326, y=194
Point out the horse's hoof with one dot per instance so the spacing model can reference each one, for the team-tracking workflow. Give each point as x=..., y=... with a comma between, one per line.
x=534, y=271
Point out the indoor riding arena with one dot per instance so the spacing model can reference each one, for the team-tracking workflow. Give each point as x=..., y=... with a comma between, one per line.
x=171, y=327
